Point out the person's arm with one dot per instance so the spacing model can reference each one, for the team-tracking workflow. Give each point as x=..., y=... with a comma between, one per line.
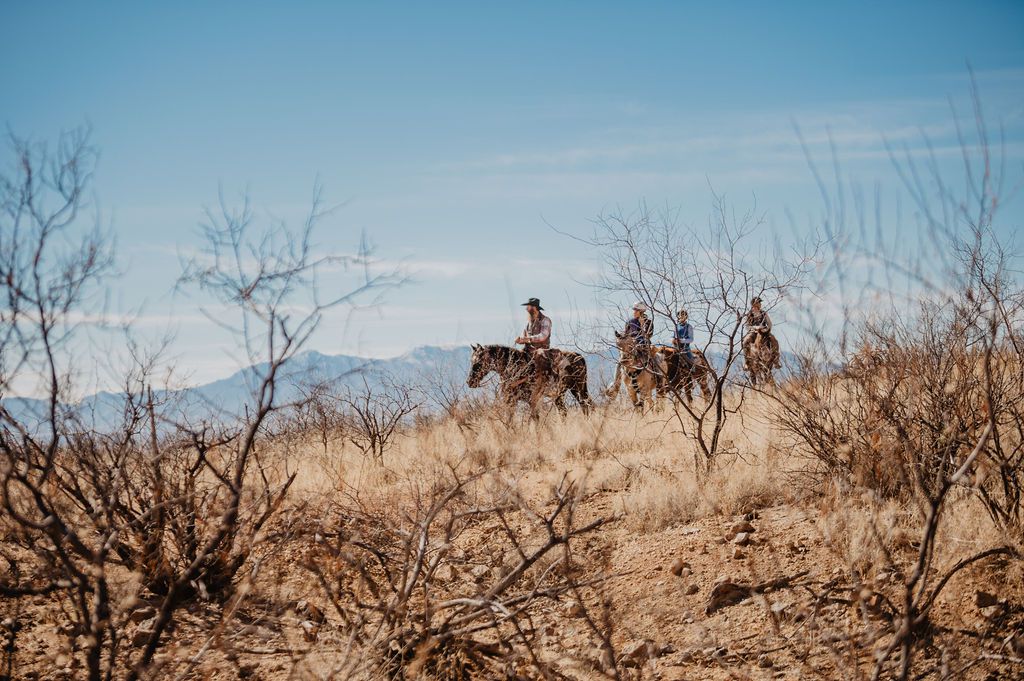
x=767, y=323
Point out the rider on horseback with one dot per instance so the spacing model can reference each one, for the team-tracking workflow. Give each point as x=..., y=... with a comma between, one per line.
x=683, y=336
x=537, y=334
x=758, y=322
x=640, y=328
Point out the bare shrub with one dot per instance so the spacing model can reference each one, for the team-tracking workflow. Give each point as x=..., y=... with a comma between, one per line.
x=373, y=416
x=924, y=409
x=154, y=510
x=450, y=587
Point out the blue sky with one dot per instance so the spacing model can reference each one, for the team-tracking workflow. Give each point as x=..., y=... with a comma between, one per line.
x=454, y=132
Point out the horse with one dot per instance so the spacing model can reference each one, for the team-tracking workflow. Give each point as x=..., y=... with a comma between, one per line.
x=760, y=357
x=642, y=374
x=681, y=376
x=528, y=378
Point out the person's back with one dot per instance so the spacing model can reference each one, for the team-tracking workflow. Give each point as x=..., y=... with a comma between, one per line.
x=683, y=336
x=758, y=322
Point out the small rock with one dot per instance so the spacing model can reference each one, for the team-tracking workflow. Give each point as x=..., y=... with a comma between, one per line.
x=309, y=630
x=574, y=609
x=692, y=589
x=142, y=614
x=313, y=613
x=637, y=652
x=678, y=565
x=764, y=662
x=741, y=539
x=737, y=554
x=143, y=633
x=983, y=599
x=991, y=611
x=725, y=593
x=479, y=572
x=779, y=609
x=741, y=526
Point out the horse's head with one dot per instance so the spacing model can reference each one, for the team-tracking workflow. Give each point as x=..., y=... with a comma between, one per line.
x=624, y=342
x=479, y=366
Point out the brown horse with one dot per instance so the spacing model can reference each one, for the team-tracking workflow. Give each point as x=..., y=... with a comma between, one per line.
x=681, y=376
x=526, y=378
x=641, y=370
x=760, y=357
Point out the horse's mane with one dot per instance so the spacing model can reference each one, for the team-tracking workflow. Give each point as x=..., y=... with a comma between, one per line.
x=504, y=352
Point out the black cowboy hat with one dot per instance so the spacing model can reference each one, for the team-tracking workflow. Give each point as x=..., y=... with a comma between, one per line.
x=535, y=302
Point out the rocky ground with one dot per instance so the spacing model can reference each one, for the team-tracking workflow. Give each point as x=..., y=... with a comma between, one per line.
x=759, y=595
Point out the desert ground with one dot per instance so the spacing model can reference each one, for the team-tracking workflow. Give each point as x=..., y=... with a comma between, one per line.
x=760, y=568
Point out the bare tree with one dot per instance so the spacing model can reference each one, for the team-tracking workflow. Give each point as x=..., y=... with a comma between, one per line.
x=374, y=415
x=154, y=494
x=713, y=273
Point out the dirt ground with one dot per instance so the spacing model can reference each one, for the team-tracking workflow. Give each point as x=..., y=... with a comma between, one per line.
x=745, y=580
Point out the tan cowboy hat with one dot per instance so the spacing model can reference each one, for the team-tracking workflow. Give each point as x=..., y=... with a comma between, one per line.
x=640, y=306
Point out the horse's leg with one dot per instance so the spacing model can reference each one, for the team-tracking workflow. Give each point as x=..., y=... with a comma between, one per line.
x=560, y=403
x=613, y=388
x=633, y=390
x=582, y=395
x=705, y=387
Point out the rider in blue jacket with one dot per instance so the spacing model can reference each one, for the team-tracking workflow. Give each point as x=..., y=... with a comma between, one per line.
x=683, y=336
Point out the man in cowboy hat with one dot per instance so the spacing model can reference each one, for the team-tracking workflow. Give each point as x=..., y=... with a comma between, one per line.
x=537, y=334
x=758, y=321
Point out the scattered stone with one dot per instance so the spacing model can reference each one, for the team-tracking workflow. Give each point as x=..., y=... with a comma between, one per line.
x=678, y=565
x=725, y=593
x=741, y=539
x=574, y=609
x=143, y=632
x=779, y=609
x=737, y=554
x=991, y=611
x=636, y=653
x=309, y=630
x=742, y=526
x=312, y=613
x=142, y=614
x=479, y=572
x=686, y=572
x=692, y=589
x=983, y=599
x=764, y=662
